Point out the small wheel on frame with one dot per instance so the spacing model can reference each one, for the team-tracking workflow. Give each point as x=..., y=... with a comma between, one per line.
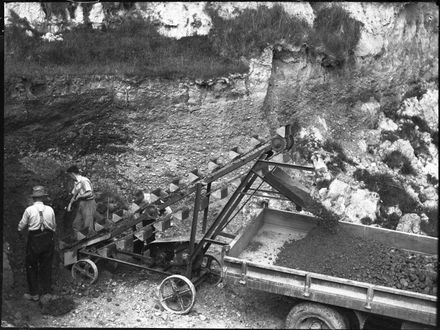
x=85, y=271
x=214, y=269
x=177, y=294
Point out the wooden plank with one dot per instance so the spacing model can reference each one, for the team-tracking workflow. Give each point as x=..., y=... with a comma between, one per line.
x=212, y=166
x=116, y=218
x=281, y=131
x=233, y=154
x=98, y=227
x=173, y=187
x=163, y=225
x=70, y=257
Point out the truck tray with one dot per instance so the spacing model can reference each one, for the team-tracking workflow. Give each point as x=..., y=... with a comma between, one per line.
x=249, y=260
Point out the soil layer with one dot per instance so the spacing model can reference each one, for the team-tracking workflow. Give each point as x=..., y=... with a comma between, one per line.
x=341, y=254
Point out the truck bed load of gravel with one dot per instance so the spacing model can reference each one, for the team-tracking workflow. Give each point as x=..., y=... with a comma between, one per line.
x=340, y=254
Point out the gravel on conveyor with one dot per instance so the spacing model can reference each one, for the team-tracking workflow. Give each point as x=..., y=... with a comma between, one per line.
x=341, y=254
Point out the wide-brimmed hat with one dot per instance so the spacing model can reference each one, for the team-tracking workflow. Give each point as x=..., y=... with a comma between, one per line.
x=38, y=191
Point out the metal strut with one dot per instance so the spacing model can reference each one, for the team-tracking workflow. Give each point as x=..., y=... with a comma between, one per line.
x=232, y=203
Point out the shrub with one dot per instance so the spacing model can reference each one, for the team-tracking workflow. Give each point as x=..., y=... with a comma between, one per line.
x=421, y=123
x=431, y=227
x=407, y=168
x=434, y=137
x=254, y=29
x=389, y=135
x=395, y=159
x=431, y=179
x=337, y=163
x=336, y=32
x=416, y=91
x=390, y=191
x=366, y=221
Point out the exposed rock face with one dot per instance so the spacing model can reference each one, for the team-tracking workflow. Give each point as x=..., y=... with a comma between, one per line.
x=178, y=19
x=230, y=10
x=32, y=11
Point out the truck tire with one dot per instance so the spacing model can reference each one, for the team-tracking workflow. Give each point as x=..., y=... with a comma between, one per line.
x=309, y=315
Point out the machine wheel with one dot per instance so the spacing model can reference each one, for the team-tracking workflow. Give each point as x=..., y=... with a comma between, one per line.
x=177, y=294
x=214, y=275
x=315, y=316
x=85, y=270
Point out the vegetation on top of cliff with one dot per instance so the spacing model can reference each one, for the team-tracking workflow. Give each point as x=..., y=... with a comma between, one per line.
x=134, y=47
x=334, y=34
x=254, y=29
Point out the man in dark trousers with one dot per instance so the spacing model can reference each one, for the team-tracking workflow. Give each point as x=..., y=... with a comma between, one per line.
x=40, y=221
x=82, y=192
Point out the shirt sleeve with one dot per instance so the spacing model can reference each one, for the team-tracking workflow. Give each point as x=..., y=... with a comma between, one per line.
x=24, y=220
x=53, y=220
x=86, y=185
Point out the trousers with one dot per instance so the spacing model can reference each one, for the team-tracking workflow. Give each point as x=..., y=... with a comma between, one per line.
x=84, y=216
x=39, y=256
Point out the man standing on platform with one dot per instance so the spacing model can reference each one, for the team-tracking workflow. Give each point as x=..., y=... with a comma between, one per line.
x=82, y=192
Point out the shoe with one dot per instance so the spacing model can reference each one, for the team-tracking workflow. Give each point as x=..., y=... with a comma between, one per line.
x=28, y=296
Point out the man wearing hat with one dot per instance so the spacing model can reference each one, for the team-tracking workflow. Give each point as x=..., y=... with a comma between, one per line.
x=40, y=221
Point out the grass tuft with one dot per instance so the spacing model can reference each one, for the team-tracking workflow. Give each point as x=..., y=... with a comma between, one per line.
x=396, y=159
x=254, y=29
x=336, y=33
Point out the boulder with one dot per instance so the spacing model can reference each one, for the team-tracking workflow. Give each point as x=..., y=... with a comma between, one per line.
x=389, y=210
x=429, y=193
x=321, y=170
x=387, y=124
x=430, y=205
x=431, y=169
x=404, y=146
x=425, y=108
x=409, y=223
x=96, y=15
x=339, y=205
x=363, y=203
x=337, y=188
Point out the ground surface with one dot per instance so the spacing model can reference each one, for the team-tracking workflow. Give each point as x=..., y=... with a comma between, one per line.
x=127, y=298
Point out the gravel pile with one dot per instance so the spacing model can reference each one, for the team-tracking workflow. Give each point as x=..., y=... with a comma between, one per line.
x=339, y=253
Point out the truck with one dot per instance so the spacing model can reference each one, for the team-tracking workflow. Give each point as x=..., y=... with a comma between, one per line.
x=323, y=301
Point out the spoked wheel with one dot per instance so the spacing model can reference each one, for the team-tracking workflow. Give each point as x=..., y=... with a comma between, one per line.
x=214, y=268
x=85, y=271
x=177, y=294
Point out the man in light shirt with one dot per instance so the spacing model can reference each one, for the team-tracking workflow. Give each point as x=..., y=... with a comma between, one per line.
x=40, y=221
x=82, y=192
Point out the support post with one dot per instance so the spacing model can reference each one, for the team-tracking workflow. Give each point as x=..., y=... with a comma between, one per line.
x=194, y=227
x=205, y=212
